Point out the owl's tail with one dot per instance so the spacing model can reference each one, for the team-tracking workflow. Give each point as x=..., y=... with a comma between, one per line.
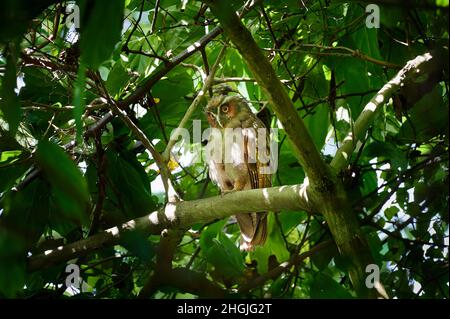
x=253, y=229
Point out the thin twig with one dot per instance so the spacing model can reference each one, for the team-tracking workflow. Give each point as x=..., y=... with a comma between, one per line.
x=155, y=16
x=351, y=53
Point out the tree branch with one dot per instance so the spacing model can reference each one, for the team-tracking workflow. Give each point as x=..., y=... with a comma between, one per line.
x=194, y=282
x=413, y=68
x=351, y=53
x=166, y=250
x=295, y=260
x=182, y=215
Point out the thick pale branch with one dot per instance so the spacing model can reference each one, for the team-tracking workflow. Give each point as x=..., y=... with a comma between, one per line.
x=183, y=215
x=413, y=68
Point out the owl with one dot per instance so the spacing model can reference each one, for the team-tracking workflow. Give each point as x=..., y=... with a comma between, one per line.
x=239, y=165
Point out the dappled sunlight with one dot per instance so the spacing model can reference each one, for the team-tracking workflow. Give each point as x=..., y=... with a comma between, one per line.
x=371, y=107
x=113, y=231
x=129, y=225
x=349, y=137
x=193, y=47
x=304, y=190
x=169, y=211
x=153, y=218
x=266, y=196
x=379, y=99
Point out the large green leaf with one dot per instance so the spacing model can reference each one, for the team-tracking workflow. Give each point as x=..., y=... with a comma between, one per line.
x=322, y=258
x=427, y=118
x=13, y=164
x=69, y=187
x=221, y=252
x=388, y=151
x=171, y=94
x=10, y=174
x=317, y=124
x=26, y=211
x=117, y=79
x=42, y=87
x=78, y=100
x=23, y=221
x=9, y=102
x=137, y=243
x=323, y=286
x=12, y=265
x=101, y=32
x=275, y=245
x=128, y=187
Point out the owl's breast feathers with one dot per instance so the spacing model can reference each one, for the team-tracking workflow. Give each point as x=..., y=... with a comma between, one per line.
x=245, y=167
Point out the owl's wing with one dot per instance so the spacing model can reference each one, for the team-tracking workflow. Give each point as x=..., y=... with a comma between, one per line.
x=254, y=225
x=254, y=165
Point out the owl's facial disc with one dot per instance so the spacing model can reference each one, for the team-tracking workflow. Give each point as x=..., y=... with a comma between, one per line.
x=214, y=119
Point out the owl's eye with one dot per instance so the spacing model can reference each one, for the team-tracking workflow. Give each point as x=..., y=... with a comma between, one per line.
x=224, y=108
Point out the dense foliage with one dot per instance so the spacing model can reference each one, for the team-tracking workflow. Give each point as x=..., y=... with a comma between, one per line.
x=70, y=167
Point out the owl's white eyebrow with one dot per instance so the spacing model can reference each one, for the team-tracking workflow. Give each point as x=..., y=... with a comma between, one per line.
x=217, y=116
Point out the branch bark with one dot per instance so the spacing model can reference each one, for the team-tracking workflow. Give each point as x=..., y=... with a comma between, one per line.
x=182, y=215
x=413, y=68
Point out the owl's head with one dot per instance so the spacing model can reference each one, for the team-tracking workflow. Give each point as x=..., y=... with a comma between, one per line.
x=227, y=111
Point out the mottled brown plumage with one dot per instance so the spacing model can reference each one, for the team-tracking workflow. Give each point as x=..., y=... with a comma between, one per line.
x=244, y=171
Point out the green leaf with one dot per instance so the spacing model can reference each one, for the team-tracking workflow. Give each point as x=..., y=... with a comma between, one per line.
x=369, y=182
x=9, y=102
x=41, y=86
x=428, y=118
x=10, y=174
x=221, y=252
x=101, y=32
x=137, y=243
x=277, y=287
x=274, y=245
x=21, y=224
x=128, y=185
x=324, y=256
x=324, y=286
x=388, y=151
x=78, y=100
x=117, y=79
x=290, y=219
x=317, y=124
x=375, y=245
x=26, y=211
x=391, y=212
x=68, y=184
x=12, y=267
x=170, y=92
